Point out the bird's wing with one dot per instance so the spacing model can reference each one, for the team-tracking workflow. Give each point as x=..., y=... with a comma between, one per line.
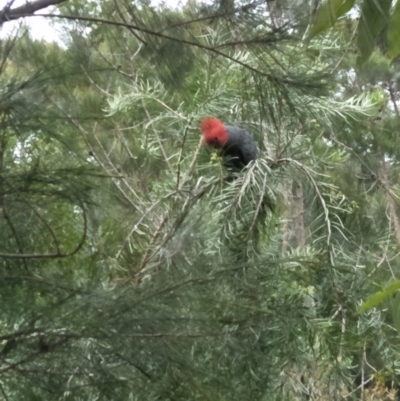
x=243, y=144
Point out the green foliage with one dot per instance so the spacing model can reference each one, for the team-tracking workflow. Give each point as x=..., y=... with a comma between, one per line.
x=379, y=297
x=328, y=13
x=393, y=33
x=135, y=266
x=377, y=69
x=373, y=19
x=378, y=24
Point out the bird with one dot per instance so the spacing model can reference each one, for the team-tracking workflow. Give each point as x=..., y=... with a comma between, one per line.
x=237, y=145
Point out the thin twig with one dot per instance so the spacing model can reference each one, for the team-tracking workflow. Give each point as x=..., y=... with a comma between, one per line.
x=57, y=254
x=136, y=226
x=101, y=90
x=112, y=165
x=217, y=15
x=121, y=15
x=38, y=215
x=152, y=241
x=15, y=234
x=195, y=156
x=178, y=173
x=166, y=159
x=259, y=204
x=146, y=255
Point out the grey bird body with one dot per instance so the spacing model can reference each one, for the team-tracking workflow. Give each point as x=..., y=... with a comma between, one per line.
x=240, y=149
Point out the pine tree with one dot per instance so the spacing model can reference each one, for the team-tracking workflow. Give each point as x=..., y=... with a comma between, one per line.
x=135, y=268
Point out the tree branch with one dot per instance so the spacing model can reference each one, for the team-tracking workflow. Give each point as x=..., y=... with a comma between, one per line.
x=269, y=76
x=26, y=10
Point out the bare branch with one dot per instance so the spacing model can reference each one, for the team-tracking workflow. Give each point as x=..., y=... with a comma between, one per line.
x=26, y=10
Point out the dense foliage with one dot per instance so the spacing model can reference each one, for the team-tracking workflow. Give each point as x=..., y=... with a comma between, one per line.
x=135, y=267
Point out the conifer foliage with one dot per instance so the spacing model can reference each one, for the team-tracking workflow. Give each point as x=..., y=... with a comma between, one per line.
x=136, y=266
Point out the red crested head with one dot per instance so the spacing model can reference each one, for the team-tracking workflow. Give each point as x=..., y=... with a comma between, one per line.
x=214, y=132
